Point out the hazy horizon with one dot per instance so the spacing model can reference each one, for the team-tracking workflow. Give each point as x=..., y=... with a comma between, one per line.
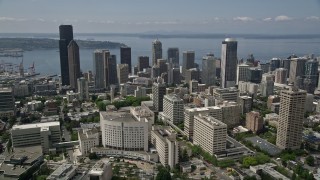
x=140, y=16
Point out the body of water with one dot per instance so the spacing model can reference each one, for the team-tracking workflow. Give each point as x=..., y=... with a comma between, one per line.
x=47, y=61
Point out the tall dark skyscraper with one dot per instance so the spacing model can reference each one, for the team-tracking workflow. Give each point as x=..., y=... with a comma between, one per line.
x=112, y=70
x=173, y=56
x=125, y=56
x=229, y=63
x=143, y=62
x=188, y=61
x=66, y=35
x=74, y=63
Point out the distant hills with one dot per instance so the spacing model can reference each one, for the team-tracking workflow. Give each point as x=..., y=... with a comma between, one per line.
x=28, y=44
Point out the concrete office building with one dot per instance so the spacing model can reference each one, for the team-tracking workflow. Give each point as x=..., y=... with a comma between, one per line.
x=164, y=140
x=44, y=134
x=140, y=92
x=83, y=89
x=229, y=63
x=121, y=131
x=285, y=63
x=122, y=73
x=189, y=114
x=267, y=85
x=246, y=104
x=275, y=63
x=210, y=134
x=254, y=121
x=226, y=94
x=254, y=75
x=102, y=170
x=173, y=56
x=173, y=108
x=230, y=113
x=162, y=64
x=7, y=108
x=264, y=67
x=143, y=62
x=74, y=63
x=193, y=86
x=188, y=61
x=99, y=58
x=158, y=91
x=66, y=36
x=192, y=74
x=281, y=76
x=297, y=68
x=156, y=51
x=248, y=87
x=242, y=72
x=289, y=131
x=125, y=56
x=63, y=172
x=311, y=76
x=88, y=138
x=208, y=75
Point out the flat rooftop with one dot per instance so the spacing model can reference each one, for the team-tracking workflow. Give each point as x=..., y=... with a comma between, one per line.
x=117, y=116
x=35, y=125
x=265, y=145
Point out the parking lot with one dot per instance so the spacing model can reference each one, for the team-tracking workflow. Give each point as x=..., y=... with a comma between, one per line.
x=264, y=145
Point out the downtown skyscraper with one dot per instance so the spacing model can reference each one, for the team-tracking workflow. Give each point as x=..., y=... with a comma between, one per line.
x=74, y=63
x=173, y=56
x=208, y=70
x=66, y=35
x=156, y=51
x=125, y=56
x=229, y=63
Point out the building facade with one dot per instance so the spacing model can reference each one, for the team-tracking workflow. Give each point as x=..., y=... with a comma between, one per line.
x=173, y=108
x=74, y=64
x=66, y=35
x=209, y=70
x=156, y=51
x=291, y=115
x=229, y=63
x=125, y=56
x=44, y=134
x=210, y=134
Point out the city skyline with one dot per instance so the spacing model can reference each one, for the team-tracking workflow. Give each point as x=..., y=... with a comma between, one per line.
x=249, y=16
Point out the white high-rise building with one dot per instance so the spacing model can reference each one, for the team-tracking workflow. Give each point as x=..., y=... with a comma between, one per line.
x=164, y=140
x=229, y=63
x=121, y=131
x=173, y=108
x=291, y=115
x=210, y=134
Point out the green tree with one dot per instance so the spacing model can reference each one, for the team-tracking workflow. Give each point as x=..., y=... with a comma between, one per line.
x=163, y=174
x=249, y=161
x=184, y=156
x=93, y=156
x=310, y=160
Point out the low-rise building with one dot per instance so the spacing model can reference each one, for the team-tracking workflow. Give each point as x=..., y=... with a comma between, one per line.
x=44, y=134
x=138, y=155
x=21, y=163
x=102, y=170
x=268, y=168
x=88, y=138
x=63, y=172
x=34, y=105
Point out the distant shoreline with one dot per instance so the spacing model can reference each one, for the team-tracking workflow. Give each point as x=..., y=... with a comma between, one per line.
x=29, y=44
x=153, y=35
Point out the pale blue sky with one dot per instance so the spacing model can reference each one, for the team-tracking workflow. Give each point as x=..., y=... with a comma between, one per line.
x=209, y=16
